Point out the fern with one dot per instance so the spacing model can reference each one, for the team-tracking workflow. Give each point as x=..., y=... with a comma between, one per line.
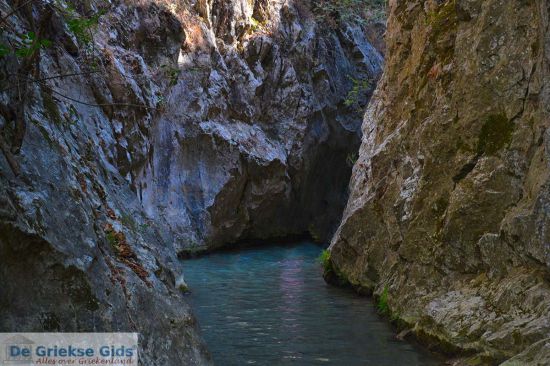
x=30, y=44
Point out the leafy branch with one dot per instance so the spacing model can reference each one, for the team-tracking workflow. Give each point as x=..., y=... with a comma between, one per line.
x=20, y=57
x=358, y=92
x=22, y=50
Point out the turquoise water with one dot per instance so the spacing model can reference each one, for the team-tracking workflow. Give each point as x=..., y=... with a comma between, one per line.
x=270, y=306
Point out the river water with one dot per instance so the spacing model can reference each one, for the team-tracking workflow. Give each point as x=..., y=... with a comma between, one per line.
x=270, y=306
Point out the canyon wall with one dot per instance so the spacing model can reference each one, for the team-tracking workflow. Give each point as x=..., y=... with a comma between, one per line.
x=167, y=126
x=448, y=216
x=77, y=252
x=260, y=130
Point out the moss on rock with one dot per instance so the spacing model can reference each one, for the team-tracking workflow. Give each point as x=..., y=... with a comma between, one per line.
x=495, y=134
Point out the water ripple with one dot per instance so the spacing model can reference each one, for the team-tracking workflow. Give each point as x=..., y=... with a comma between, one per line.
x=270, y=306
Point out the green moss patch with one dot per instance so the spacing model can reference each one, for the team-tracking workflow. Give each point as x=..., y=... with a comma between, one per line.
x=495, y=134
x=324, y=259
x=50, y=107
x=444, y=17
x=443, y=23
x=382, y=304
x=331, y=274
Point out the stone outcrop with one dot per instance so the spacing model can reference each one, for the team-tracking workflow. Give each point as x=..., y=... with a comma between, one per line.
x=76, y=251
x=169, y=126
x=261, y=127
x=449, y=206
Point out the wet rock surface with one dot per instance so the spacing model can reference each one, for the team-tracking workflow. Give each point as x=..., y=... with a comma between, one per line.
x=449, y=199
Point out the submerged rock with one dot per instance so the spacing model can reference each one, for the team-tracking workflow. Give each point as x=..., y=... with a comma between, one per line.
x=449, y=203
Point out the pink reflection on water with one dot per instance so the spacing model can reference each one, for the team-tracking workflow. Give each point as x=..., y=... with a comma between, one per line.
x=291, y=285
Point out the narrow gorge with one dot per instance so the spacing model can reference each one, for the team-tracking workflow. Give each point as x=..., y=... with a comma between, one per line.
x=137, y=133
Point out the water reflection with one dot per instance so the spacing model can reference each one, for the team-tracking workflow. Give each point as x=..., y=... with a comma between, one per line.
x=291, y=286
x=270, y=306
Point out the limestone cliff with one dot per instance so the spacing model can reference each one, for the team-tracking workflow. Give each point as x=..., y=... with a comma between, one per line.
x=76, y=251
x=450, y=197
x=133, y=130
x=260, y=130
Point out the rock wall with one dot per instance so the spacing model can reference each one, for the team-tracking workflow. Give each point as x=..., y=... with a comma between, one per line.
x=169, y=126
x=450, y=198
x=258, y=130
x=76, y=251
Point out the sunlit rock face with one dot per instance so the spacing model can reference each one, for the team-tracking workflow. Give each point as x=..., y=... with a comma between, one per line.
x=450, y=199
x=77, y=252
x=255, y=139
x=180, y=125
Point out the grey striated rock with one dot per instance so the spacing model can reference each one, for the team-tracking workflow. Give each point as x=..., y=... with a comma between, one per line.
x=77, y=252
x=536, y=355
x=256, y=137
x=449, y=204
x=204, y=123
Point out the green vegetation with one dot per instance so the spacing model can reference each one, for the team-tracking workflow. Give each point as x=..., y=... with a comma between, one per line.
x=128, y=221
x=358, y=92
x=445, y=12
x=4, y=50
x=444, y=17
x=16, y=42
x=443, y=22
x=161, y=100
x=183, y=287
x=72, y=116
x=324, y=259
x=330, y=273
x=382, y=305
x=256, y=25
x=82, y=27
x=111, y=238
x=30, y=44
x=143, y=228
x=495, y=134
x=51, y=108
x=351, y=159
x=172, y=73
